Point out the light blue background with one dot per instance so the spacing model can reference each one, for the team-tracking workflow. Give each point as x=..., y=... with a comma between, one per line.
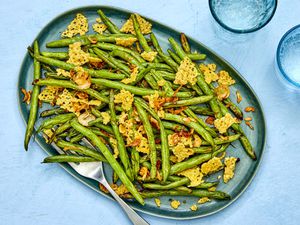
x=32, y=193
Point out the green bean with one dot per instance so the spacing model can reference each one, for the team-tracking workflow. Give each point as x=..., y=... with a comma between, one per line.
x=51, y=112
x=98, y=120
x=110, y=61
x=119, y=85
x=80, y=149
x=167, y=59
x=248, y=147
x=148, y=165
x=110, y=26
x=220, y=150
x=151, y=81
x=110, y=158
x=55, y=76
x=224, y=140
x=139, y=35
x=196, y=126
x=71, y=85
x=68, y=66
x=200, y=80
x=201, y=110
x=196, y=56
x=173, y=126
x=174, y=56
x=56, y=55
x=198, y=193
x=127, y=57
x=166, y=75
x=207, y=185
x=99, y=132
x=184, y=43
x=135, y=161
x=47, y=68
x=68, y=158
x=175, y=184
x=60, y=130
x=165, y=153
x=120, y=141
x=151, y=141
x=189, y=163
x=34, y=104
x=96, y=112
x=76, y=138
x=86, y=39
x=72, y=133
x=112, y=47
x=183, y=189
x=234, y=108
x=187, y=102
x=49, y=123
x=191, y=114
x=106, y=128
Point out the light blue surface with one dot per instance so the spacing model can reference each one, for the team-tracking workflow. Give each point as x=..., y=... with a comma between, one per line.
x=31, y=193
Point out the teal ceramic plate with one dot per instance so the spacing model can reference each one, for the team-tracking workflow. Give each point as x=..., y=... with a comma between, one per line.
x=246, y=168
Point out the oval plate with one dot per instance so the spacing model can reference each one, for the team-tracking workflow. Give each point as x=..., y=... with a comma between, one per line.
x=246, y=168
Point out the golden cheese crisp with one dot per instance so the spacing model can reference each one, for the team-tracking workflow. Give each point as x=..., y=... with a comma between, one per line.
x=225, y=78
x=213, y=165
x=181, y=152
x=132, y=77
x=120, y=190
x=61, y=72
x=209, y=72
x=194, y=207
x=77, y=57
x=229, y=168
x=187, y=73
x=145, y=26
x=175, y=204
x=105, y=117
x=75, y=101
x=114, y=145
x=175, y=139
x=49, y=93
x=149, y=56
x=194, y=175
x=125, y=98
x=126, y=42
x=224, y=123
x=78, y=26
x=157, y=202
x=203, y=200
x=99, y=27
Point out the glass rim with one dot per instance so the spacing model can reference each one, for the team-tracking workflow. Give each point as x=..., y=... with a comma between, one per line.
x=237, y=30
x=278, y=60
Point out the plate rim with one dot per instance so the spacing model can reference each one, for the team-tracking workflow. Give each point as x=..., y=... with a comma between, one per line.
x=68, y=169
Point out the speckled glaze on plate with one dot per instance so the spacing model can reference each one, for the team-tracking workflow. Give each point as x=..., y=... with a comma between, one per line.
x=246, y=168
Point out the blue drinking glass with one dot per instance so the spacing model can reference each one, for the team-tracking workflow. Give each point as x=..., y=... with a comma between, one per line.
x=288, y=59
x=242, y=16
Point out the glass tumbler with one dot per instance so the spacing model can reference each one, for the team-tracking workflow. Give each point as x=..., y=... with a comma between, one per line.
x=287, y=60
x=242, y=16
